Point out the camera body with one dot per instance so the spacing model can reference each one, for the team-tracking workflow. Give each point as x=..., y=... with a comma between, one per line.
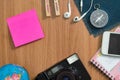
x=70, y=68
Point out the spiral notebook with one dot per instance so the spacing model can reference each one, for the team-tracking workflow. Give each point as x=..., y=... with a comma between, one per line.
x=109, y=65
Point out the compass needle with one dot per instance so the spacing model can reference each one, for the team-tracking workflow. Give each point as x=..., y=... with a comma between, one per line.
x=99, y=18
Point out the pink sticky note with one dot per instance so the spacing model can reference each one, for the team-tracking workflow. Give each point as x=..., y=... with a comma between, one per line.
x=25, y=28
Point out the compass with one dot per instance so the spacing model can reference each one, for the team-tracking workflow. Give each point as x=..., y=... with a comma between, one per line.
x=99, y=18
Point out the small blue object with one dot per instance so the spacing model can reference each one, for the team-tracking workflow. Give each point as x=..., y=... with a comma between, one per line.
x=13, y=72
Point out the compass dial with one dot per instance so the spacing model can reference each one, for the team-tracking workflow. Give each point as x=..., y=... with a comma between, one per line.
x=99, y=18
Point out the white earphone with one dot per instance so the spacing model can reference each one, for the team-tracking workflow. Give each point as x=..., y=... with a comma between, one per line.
x=76, y=19
x=68, y=14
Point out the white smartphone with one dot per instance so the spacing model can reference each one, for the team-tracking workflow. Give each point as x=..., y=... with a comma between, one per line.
x=111, y=43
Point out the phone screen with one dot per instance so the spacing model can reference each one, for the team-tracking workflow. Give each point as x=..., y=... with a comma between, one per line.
x=114, y=44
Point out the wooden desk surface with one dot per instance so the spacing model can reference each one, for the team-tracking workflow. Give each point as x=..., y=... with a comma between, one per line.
x=62, y=38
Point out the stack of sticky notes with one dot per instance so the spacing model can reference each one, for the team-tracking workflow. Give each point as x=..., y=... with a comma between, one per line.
x=25, y=28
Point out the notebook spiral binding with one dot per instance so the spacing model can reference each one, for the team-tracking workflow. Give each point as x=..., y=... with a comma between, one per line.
x=102, y=69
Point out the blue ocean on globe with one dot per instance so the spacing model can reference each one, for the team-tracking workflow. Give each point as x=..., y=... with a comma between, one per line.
x=13, y=72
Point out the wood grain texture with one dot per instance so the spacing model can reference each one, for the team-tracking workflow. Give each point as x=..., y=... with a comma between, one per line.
x=62, y=38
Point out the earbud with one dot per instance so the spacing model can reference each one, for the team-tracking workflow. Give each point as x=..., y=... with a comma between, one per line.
x=68, y=14
x=76, y=19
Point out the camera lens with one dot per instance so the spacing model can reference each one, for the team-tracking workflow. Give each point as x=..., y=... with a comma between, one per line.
x=66, y=78
x=65, y=75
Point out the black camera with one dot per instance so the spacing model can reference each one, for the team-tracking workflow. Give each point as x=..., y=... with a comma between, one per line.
x=70, y=68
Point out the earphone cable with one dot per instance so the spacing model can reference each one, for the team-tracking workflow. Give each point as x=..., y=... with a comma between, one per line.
x=89, y=7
